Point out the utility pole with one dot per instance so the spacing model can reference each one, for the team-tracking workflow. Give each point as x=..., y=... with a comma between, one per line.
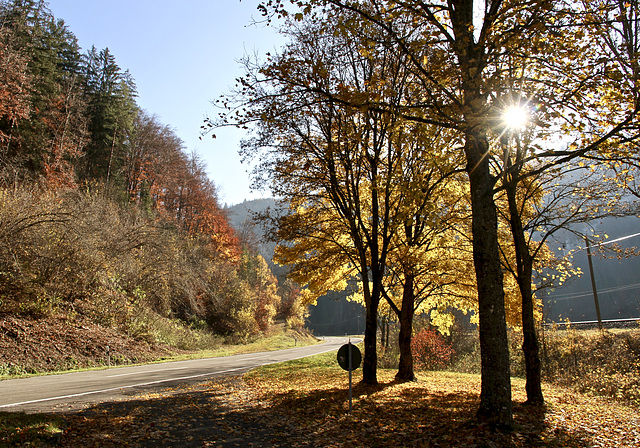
x=593, y=284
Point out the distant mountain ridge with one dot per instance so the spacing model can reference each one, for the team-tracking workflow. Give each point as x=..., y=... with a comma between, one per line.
x=242, y=212
x=333, y=314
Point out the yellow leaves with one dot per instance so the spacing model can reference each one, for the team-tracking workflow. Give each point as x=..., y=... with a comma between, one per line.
x=442, y=320
x=357, y=296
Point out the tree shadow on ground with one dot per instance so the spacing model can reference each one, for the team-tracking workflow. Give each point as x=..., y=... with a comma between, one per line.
x=228, y=413
x=414, y=419
x=204, y=417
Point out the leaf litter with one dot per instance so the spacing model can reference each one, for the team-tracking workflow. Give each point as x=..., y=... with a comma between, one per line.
x=296, y=406
x=303, y=404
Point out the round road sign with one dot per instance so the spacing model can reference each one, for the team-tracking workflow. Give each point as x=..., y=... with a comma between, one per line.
x=343, y=356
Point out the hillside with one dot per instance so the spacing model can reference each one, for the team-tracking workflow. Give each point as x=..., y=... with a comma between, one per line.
x=616, y=278
x=240, y=217
x=29, y=346
x=332, y=314
x=107, y=219
x=238, y=214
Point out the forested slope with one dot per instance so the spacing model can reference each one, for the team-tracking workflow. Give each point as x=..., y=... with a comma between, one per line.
x=105, y=217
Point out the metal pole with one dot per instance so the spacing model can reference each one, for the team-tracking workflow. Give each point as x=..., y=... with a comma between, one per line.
x=593, y=284
x=350, y=387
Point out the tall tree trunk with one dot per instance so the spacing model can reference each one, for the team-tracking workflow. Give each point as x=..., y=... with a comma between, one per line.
x=524, y=268
x=495, y=396
x=370, y=358
x=405, y=367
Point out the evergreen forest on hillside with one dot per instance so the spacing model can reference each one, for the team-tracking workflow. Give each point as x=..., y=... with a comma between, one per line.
x=104, y=214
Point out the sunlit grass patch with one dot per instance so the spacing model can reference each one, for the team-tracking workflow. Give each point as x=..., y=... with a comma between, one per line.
x=17, y=429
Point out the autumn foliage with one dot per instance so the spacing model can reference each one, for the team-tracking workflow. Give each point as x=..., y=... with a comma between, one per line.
x=103, y=211
x=430, y=350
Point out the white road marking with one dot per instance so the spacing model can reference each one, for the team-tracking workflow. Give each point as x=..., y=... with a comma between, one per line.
x=146, y=371
x=61, y=397
x=81, y=394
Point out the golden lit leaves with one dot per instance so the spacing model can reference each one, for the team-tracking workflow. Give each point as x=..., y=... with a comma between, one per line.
x=319, y=249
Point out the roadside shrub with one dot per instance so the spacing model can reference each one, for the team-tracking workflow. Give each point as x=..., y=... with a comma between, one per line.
x=388, y=357
x=430, y=350
x=176, y=333
x=606, y=364
x=32, y=251
x=83, y=252
x=246, y=327
x=291, y=306
x=516, y=355
x=466, y=351
x=466, y=347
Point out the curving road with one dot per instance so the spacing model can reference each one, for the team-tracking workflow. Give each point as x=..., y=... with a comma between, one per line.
x=72, y=390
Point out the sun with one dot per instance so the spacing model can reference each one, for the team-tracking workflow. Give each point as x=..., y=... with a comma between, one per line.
x=515, y=117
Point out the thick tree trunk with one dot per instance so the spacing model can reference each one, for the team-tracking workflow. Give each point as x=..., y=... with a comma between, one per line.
x=405, y=367
x=372, y=302
x=370, y=358
x=524, y=268
x=495, y=396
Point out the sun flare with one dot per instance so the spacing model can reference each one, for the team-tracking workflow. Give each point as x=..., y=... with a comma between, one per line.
x=515, y=117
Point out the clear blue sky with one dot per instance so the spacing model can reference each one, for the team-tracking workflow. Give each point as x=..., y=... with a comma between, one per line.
x=182, y=55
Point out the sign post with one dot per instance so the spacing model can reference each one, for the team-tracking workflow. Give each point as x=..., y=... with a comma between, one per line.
x=349, y=358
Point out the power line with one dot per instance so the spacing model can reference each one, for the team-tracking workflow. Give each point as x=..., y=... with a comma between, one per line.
x=562, y=297
x=618, y=239
x=603, y=243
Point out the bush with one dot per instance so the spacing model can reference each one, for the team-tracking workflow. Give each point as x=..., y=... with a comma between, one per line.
x=83, y=252
x=388, y=357
x=176, y=333
x=606, y=364
x=466, y=350
x=430, y=350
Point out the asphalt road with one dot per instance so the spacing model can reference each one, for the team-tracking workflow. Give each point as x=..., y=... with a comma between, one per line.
x=73, y=390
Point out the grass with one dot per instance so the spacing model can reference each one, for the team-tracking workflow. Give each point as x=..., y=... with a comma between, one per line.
x=277, y=340
x=19, y=429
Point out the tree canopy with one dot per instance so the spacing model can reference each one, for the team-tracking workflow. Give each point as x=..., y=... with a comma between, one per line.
x=457, y=67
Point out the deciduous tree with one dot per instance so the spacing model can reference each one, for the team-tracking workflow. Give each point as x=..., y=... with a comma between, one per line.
x=333, y=164
x=458, y=51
